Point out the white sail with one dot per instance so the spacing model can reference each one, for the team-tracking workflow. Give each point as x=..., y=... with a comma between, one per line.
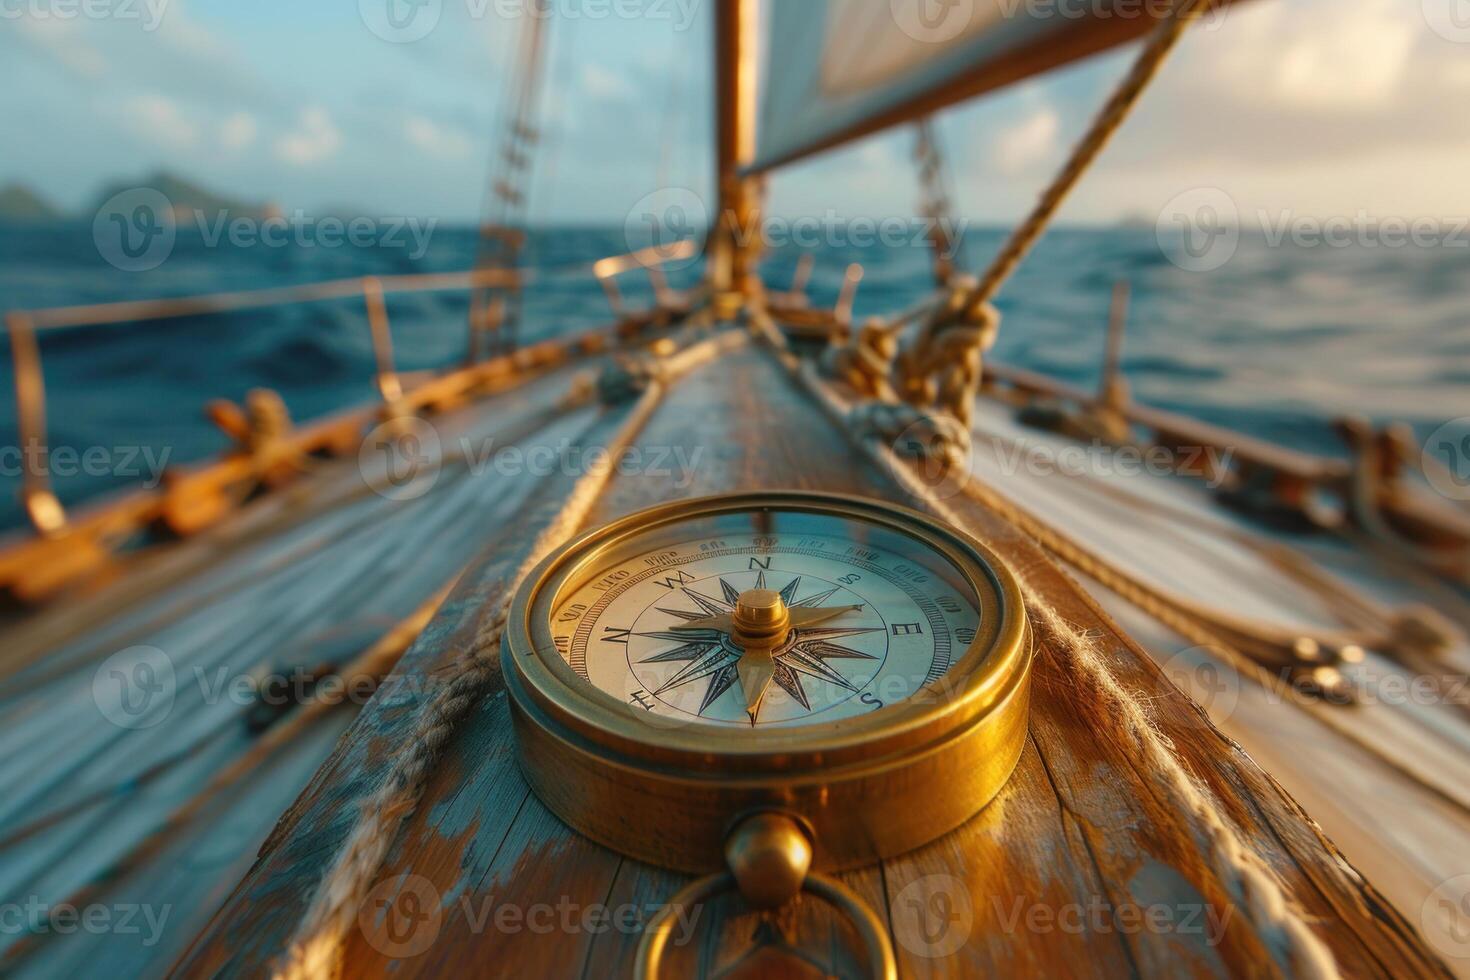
x=836, y=70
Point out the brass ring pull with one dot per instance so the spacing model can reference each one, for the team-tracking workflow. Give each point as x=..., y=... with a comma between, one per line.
x=869, y=927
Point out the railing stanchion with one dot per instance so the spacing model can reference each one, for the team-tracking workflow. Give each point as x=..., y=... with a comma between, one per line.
x=389, y=385
x=42, y=506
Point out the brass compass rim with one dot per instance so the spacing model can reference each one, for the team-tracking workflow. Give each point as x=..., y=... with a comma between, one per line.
x=669, y=796
x=971, y=686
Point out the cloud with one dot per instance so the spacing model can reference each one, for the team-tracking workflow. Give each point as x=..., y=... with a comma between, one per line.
x=1347, y=58
x=1026, y=144
x=437, y=140
x=60, y=41
x=315, y=139
x=604, y=85
x=238, y=131
x=160, y=120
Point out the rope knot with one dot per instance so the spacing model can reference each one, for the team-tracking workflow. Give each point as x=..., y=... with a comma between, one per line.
x=943, y=367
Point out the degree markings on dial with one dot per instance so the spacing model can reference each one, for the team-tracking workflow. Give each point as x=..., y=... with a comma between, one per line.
x=762, y=552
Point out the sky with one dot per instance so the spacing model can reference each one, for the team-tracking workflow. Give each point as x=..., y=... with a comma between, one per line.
x=1319, y=107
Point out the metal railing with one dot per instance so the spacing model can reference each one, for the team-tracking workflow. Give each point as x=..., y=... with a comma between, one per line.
x=44, y=509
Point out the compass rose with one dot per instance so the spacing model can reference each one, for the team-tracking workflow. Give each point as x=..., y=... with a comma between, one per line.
x=757, y=637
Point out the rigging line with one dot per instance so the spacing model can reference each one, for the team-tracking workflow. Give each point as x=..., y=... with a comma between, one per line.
x=563, y=49
x=1104, y=126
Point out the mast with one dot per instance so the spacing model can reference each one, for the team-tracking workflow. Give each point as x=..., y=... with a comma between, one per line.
x=733, y=249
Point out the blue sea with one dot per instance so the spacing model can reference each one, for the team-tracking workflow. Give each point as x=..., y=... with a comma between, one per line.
x=1277, y=343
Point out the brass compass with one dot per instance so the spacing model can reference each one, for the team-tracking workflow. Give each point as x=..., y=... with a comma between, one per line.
x=768, y=681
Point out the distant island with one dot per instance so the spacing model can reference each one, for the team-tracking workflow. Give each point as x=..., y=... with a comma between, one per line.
x=19, y=203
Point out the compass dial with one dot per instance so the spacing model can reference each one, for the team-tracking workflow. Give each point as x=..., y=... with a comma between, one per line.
x=831, y=657
x=767, y=618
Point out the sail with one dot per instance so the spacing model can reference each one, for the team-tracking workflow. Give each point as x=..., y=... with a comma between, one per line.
x=837, y=70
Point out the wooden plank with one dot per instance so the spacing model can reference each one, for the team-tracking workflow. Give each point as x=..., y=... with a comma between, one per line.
x=1086, y=823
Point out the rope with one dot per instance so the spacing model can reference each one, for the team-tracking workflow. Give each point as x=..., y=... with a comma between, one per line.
x=1389, y=631
x=315, y=949
x=1248, y=879
x=1104, y=126
x=1252, y=885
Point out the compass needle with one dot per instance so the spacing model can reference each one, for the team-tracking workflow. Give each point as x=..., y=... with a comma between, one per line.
x=756, y=667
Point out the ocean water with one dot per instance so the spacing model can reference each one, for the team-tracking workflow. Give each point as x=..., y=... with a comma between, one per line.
x=1277, y=342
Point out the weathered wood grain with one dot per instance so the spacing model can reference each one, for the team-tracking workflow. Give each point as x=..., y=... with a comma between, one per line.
x=1056, y=877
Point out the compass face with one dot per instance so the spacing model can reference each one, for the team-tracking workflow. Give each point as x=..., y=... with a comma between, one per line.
x=771, y=618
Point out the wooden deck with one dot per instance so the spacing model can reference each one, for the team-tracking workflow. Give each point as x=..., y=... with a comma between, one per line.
x=314, y=575
x=217, y=837
x=1045, y=881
